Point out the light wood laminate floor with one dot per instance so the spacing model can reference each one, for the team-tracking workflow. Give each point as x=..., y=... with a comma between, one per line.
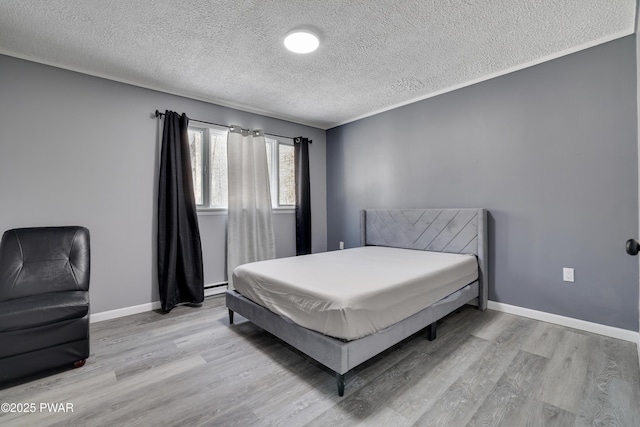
x=189, y=367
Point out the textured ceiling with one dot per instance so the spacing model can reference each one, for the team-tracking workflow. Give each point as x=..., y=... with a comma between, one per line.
x=375, y=54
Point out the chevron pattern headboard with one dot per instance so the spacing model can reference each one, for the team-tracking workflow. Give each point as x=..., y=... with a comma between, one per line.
x=439, y=230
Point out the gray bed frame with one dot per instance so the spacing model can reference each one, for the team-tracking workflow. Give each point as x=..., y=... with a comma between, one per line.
x=439, y=230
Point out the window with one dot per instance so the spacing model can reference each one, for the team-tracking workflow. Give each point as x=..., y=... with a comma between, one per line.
x=282, y=176
x=286, y=176
x=208, y=147
x=195, y=148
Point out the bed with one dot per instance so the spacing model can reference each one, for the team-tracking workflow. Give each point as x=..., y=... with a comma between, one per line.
x=342, y=308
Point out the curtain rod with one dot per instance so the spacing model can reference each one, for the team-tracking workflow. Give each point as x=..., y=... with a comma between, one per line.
x=159, y=114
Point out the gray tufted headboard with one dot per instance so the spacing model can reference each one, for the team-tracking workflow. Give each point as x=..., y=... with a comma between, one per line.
x=438, y=230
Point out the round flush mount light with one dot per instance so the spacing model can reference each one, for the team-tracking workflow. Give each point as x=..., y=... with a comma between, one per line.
x=301, y=41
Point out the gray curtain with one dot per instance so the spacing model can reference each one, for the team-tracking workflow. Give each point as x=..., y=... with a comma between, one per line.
x=250, y=227
x=180, y=272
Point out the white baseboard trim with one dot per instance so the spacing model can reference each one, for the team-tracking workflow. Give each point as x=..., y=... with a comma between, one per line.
x=569, y=322
x=126, y=311
x=215, y=291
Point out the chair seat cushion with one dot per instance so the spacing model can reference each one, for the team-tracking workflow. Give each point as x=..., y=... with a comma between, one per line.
x=43, y=309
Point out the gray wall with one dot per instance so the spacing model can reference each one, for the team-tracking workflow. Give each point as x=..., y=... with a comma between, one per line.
x=550, y=150
x=76, y=149
x=638, y=112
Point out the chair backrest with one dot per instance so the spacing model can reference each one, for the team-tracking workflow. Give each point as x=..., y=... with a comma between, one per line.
x=44, y=259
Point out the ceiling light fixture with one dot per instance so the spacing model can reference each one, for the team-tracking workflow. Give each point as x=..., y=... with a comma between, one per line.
x=301, y=41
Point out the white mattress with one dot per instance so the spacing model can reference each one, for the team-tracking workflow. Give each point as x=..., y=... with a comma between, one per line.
x=352, y=293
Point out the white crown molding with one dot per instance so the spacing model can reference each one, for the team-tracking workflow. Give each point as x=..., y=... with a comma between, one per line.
x=266, y=113
x=510, y=70
x=157, y=88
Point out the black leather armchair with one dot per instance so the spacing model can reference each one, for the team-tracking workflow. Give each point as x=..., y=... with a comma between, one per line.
x=44, y=299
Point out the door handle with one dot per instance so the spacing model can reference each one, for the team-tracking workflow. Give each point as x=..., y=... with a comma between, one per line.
x=633, y=247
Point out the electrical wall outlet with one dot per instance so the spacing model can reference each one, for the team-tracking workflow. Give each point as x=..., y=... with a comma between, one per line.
x=341, y=245
x=567, y=274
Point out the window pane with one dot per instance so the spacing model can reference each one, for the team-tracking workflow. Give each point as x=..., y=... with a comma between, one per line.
x=195, y=148
x=286, y=177
x=218, y=187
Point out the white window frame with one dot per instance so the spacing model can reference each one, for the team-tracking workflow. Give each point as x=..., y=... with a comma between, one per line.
x=274, y=179
x=274, y=184
x=206, y=156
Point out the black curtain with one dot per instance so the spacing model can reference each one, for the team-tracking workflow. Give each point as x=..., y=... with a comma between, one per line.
x=303, y=196
x=180, y=275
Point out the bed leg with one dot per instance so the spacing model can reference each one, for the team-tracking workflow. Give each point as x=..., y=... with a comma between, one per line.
x=431, y=331
x=340, y=380
x=230, y=317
